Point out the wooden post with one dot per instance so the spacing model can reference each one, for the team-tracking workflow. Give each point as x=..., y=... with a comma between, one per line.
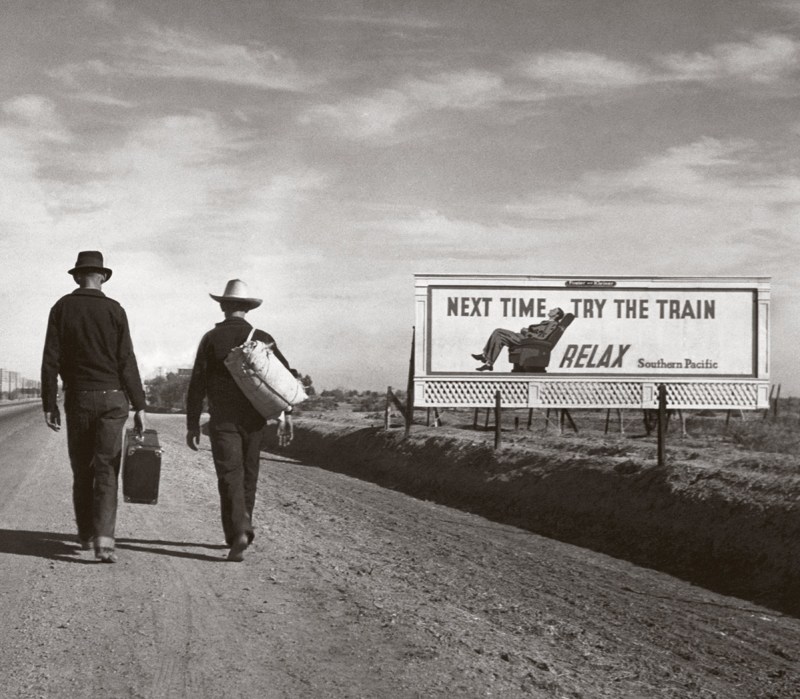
x=497, y=420
x=516, y=423
x=647, y=416
x=775, y=405
x=409, y=415
x=769, y=401
x=619, y=421
x=486, y=422
x=662, y=422
x=530, y=417
x=427, y=417
x=387, y=414
x=565, y=414
x=437, y=419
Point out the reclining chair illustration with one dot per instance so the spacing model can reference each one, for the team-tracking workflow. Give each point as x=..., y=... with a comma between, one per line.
x=533, y=355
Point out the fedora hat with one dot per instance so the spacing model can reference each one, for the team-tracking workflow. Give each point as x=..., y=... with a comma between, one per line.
x=236, y=290
x=90, y=260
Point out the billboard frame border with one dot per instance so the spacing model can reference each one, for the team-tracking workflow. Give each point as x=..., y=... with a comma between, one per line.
x=576, y=391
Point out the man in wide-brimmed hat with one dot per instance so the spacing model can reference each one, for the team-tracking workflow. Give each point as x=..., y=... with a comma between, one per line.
x=235, y=426
x=88, y=343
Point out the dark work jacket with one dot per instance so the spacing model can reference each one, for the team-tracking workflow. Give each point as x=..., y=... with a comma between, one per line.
x=88, y=343
x=211, y=378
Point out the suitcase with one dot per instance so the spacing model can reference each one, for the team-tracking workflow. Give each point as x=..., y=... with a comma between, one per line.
x=141, y=467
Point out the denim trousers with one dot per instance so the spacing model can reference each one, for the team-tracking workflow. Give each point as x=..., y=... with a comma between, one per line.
x=236, y=450
x=95, y=420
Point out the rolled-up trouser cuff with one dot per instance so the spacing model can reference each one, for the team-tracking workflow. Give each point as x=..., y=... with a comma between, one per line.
x=103, y=542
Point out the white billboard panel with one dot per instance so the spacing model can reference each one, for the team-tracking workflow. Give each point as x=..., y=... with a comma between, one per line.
x=614, y=331
x=640, y=328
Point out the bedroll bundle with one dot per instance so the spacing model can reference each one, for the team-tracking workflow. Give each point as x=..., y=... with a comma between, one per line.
x=264, y=380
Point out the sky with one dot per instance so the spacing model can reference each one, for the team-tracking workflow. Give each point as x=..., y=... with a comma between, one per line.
x=325, y=152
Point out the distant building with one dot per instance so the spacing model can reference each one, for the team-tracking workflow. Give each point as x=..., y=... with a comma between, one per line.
x=13, y=385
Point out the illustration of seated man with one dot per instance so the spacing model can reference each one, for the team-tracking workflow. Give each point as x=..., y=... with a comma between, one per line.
x=539, y=337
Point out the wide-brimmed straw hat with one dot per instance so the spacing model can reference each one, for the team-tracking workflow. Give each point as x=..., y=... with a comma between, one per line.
x=236, y=290
x=90, y=261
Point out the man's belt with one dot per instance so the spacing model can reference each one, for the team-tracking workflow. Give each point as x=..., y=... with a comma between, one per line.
x=97, y=390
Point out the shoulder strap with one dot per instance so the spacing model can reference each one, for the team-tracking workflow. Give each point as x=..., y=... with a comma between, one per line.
x=250, y=334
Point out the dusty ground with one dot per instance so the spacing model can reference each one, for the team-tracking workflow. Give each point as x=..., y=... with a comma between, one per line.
x=714, y=514
x=350, y=590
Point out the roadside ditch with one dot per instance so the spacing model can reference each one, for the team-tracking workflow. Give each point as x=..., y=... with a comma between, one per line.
x=731, y=525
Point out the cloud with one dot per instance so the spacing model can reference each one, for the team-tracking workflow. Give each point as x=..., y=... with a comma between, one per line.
x=36, y=118
x=102, y=9
x=582, y=72
x=694, y=209
x=169, y=175
x=162, y=53
x=469, y=89
x=179, y=206
x=165, y=52
x=767, y=58
x=363, y=118
x=191, y=172
x=381, y=114
x=392, y=21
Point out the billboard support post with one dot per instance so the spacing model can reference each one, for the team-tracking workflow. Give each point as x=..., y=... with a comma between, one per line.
x=662, y=422
x=409, y=413
x=497, y=419
x=771, y=393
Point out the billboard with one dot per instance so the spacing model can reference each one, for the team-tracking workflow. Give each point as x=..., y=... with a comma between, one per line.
x=647, y=328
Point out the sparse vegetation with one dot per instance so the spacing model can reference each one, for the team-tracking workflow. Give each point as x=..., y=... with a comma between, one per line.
x=167, y=394
x=776, y=431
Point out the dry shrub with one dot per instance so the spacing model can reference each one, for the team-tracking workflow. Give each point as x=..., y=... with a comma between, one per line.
x=780, y=436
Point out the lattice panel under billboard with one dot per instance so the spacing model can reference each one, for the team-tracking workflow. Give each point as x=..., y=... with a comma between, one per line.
x=711, y=395
x=475, y=393
x=569, y=394
x=572, y=393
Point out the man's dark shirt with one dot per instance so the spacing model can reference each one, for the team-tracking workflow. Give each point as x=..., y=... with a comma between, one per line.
x=211, y=378
x=88, y=343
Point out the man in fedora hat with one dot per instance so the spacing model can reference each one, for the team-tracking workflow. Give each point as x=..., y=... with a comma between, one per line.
x=88, y=343
x=235, y=426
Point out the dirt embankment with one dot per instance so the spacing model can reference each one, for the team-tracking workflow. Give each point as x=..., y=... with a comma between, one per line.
x=716, y=516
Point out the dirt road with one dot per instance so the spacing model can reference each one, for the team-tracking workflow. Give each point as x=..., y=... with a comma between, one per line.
x=349, y=590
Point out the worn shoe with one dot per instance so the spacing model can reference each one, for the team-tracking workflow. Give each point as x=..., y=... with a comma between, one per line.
x=105, y=555
x=480, y=357
x=485, y=367
x=240, y=543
